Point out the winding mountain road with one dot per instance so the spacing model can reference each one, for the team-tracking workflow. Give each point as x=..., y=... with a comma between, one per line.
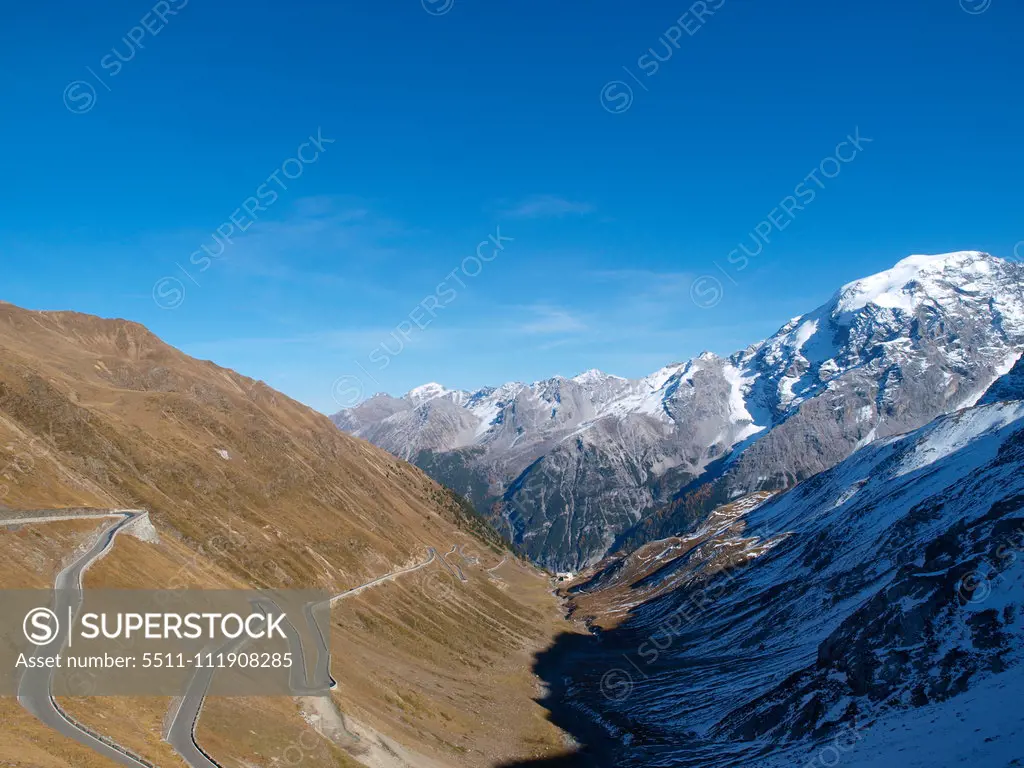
x=387, y=577
x=36, y=685
x=182, y=731
x=454, y=570
x=181, y=734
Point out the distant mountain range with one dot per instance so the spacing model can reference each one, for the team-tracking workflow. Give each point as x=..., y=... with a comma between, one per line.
x=570, y=469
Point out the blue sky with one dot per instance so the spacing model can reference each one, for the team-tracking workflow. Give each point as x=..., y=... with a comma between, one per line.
x=620, y=184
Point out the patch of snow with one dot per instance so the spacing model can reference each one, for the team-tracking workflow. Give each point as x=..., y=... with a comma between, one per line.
x=660, y=378
x=738, y=413
x=803, y=334
x=425, y=392
x=947, y=436
x=594, y=376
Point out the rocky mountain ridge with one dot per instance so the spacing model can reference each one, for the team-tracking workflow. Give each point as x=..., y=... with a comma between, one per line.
x=569, y=468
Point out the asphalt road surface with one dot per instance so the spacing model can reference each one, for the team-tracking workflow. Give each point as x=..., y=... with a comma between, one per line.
x=34, y=689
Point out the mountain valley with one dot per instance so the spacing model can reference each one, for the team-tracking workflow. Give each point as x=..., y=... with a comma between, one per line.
x=873, y=614
x=809, y=550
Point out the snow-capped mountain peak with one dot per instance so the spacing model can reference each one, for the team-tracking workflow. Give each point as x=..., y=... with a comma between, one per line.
x=915, y=278
x=574, y=463
x=424, y=392
x=594, y=376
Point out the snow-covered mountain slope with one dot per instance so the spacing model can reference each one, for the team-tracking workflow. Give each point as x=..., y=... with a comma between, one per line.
x=873, y=614
x=1010, y=386
x=567, y=467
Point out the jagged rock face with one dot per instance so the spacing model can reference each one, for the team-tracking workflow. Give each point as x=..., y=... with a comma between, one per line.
x=564, y=465
x=867, y=601
x=569, y=467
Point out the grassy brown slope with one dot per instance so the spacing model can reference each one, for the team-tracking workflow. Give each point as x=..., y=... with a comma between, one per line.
x=102, y=413
x=444, y=664
x=32, y=554
x=110, y=413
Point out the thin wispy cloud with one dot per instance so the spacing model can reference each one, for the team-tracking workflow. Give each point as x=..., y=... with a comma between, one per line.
x=316, y=243
x=547, y=207
x=551, y=320
x=322, y=230
x=549, y=345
